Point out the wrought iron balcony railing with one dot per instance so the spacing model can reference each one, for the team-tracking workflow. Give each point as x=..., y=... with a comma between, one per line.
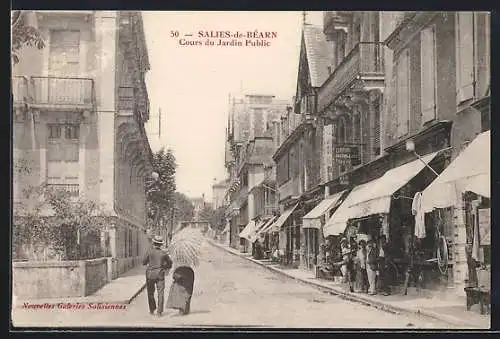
x=20, y=91
x=270, y=209
x=60, y=91
x=365, y=59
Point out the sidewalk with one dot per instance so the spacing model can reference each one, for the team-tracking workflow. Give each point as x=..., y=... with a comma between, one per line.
x=122, y=290
x=436, y=307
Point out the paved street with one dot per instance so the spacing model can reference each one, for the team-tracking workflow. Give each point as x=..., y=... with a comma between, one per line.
x=231, y=291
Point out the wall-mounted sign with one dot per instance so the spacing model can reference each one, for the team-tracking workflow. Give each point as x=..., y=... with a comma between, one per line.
x=347, y=155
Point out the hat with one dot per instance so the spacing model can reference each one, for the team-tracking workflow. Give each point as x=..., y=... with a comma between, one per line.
x=158, y=240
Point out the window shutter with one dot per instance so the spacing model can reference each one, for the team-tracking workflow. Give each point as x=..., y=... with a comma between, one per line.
x=71, y=151
x=428, y=74
x=403, y=90
x=54, y=151
x=465, y=53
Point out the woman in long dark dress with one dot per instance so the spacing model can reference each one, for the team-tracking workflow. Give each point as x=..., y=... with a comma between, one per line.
x=181, y=290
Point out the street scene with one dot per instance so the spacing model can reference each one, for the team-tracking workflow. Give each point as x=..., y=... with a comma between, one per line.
x=307, y=169
x=224, y=296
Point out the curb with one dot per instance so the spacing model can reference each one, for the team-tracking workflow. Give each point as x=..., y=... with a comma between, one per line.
x=349, y=296
x=129, y=300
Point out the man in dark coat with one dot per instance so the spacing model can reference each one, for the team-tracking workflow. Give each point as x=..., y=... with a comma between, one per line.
x=158, y=262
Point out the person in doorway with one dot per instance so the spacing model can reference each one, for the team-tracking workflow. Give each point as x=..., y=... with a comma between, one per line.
x=158, y=262
x=361, y=285
x=371, y=266
x=382, y=266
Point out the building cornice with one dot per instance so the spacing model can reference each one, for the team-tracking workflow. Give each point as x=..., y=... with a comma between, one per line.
x=291, y=139
x=407, y=28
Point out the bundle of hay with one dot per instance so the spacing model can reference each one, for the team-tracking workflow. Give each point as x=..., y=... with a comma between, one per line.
x=185, y=248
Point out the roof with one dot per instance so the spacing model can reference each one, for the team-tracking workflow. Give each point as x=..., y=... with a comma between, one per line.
x=318, y=52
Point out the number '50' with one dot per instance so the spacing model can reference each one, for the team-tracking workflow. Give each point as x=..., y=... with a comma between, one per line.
x=174, y=34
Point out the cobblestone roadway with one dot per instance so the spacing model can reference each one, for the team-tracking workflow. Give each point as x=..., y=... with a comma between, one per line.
x=231, y=291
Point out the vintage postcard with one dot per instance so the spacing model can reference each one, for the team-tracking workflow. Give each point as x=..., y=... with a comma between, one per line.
x=292, y=169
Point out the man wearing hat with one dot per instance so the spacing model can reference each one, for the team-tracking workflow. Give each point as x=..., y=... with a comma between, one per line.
x=158, y=262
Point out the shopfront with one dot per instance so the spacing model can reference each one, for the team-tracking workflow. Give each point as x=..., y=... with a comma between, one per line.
x=384, y=207
x=464, y=188
x=245, y=236
x=312, y=224
x=288, y=234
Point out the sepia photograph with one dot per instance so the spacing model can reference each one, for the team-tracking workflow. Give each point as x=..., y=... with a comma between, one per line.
x=250, y=170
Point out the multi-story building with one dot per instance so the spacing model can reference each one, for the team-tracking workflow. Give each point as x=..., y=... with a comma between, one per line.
x=249, y=148
x=438, y=96
x=80, y=107
x=299, y=170
x=433, y=72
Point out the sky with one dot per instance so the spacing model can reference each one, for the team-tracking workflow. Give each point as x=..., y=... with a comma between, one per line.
x=191, y=84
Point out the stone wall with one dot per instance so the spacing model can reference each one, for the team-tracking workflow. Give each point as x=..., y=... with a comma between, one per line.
x=96, y=274
x=59, y=279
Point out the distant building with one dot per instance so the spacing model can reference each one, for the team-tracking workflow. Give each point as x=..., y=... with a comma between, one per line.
x=218, y=193
x=199, y=204
x=249, y=149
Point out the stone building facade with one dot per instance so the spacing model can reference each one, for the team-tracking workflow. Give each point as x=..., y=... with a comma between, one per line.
x=80, y=107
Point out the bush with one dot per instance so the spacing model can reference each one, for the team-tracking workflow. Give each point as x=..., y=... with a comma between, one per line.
x=57, y=226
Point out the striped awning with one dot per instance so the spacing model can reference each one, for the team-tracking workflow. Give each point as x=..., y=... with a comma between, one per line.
x=374, y=197
x=313, y=218
x=249, y=228
x=258, y=228
x=276, y=226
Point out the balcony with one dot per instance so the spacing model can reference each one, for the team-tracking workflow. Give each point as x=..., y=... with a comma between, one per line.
x=20, y=91
x=62, y=93
x=365, y=62
x=271, y=209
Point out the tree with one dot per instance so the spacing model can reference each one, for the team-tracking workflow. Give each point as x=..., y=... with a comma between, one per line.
x=69, y=228
x=215, y=217
x=24, y=33
x=160, y=190
x=184, y=208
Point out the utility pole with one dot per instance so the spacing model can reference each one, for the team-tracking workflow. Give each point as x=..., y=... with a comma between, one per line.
x=159, y=123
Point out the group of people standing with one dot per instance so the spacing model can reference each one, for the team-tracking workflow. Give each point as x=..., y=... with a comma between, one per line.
x=362, y=264
x=158, y=265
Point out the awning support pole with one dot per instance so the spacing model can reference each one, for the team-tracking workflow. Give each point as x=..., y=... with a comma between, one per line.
x=427, y=165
